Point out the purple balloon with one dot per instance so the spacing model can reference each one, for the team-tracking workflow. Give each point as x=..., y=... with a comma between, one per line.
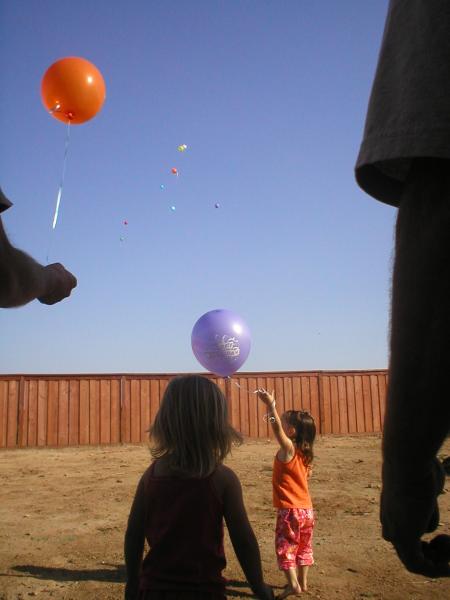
x=221, y=341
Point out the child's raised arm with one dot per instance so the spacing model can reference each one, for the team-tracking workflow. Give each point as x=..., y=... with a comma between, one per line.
x=134, y=542
x=241, y=534
x=287, y=449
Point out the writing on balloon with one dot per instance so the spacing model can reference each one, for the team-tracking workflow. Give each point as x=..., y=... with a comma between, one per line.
x=225, y=346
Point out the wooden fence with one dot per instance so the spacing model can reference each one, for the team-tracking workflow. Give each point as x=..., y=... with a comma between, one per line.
x=72, y=410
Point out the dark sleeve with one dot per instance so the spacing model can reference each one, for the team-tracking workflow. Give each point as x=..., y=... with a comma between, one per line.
x=4, y=202
x=409, y=109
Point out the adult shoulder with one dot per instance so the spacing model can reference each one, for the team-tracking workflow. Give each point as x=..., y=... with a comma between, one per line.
x=225, y=479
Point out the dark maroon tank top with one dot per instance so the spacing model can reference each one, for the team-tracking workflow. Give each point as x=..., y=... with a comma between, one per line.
x=184, y=529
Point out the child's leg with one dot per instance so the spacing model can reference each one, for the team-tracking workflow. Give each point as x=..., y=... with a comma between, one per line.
x=303, y=577
x=293, y=587
x=286, y=545
x=305, y=553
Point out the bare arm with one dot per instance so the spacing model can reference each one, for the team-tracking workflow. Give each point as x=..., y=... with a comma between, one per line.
x=22, y=279
x=134, y=543
x=287, y=449
x=242, y=537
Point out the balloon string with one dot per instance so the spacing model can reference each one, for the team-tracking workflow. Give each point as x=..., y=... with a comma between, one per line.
x=241, y=387
x=58, y=200
x=61, y=185
x=268, y=417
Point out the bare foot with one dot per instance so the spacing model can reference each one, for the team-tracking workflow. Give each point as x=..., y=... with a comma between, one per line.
x=289, y=591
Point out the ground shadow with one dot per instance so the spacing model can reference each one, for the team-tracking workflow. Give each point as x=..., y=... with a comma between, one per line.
x=234, y=583
x=115, y=574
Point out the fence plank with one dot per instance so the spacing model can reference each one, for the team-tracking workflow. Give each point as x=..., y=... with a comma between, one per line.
x=359, y=402
x=351, y=404
x=13, y=411
x=135, y=407
x=94, y=409
x=42, y=413
x=325, y=406
x=52, y=413
x=235, y=413
x=252, y=407
x=84, y=412
x=154, y=398
x=314, y=401
x=368, y=418
x=105, y=412
x=63, y=413
x=32, y=412
x=163, y=383
x=334, y=399
x=306, y=394
x=220, y=382
x=375, y=403
x=125, y=430
x=287, y=394
x=342, y=404
x=297, y=393
x=243, y=406
x=115, y=411
x=145, y=409
x=22, y=430
x=261, y=410
x=270, y=385
x=3, y=412
x=382, y=384
x=74, y=412
x=279, y=395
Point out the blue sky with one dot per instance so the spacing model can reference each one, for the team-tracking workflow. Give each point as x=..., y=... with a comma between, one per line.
x=270, y=98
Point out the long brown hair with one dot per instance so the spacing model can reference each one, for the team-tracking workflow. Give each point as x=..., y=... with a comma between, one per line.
x=191, y=427
x=305, y=432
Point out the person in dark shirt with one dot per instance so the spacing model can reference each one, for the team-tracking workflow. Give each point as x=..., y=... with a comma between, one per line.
x=404, y=162
x=22, y=279
x=182, y=500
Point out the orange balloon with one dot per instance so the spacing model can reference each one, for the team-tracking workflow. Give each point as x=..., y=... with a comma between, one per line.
x=73, y=90
x=174, y=171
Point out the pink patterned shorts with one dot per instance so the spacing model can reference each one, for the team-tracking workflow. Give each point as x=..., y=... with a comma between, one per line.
x=293, y=537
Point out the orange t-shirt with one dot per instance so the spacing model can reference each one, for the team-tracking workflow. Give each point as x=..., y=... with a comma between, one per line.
x=290, y=483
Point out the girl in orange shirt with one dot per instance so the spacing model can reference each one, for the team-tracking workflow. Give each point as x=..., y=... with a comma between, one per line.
x=295, y=431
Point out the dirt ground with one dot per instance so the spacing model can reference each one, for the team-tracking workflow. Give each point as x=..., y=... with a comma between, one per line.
x=63, y=513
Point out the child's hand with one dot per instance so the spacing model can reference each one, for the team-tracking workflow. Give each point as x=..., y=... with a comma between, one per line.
x=264, y=395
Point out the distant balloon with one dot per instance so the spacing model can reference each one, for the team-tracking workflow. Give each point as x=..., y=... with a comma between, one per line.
x=173, y=208
x=174, y=171
x=125, y=222
x=121, y=238
x=182, y=148
x=217, y=205
x=162, y=186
